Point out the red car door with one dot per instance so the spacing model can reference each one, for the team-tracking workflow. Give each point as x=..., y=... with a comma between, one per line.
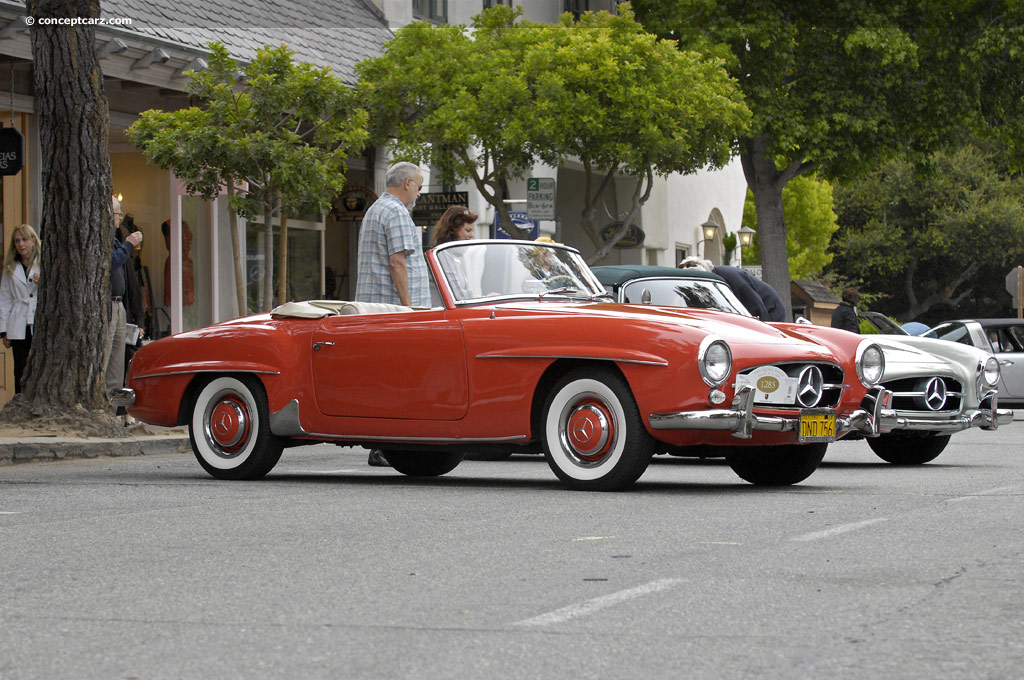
x=408, y=365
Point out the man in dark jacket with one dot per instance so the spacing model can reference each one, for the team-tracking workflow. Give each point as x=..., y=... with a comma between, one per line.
x=845, y=315
x=758, y=297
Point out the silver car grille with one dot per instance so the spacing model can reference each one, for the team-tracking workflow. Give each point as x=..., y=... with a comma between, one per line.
x=926, y=394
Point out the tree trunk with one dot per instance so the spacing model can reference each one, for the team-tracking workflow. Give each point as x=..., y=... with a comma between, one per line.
x=66, y=366
x=282, y=261
x=766, y=183
x=236, y=253
x=268, y=251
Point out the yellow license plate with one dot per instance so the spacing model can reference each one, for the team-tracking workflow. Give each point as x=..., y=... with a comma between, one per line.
x=817, y=426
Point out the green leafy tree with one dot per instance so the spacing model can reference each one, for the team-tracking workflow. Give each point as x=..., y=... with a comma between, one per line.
x=286, y=130
x=810, y=223
x=833, y=87
x=601, y=91
x=938, y=238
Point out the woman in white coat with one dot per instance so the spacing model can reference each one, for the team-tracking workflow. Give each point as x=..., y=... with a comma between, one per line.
x=18, y=296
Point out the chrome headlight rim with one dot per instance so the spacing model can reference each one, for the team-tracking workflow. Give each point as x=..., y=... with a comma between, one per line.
x=707, y=345
x=870, y=363
x=988, y=377
x=990, y=372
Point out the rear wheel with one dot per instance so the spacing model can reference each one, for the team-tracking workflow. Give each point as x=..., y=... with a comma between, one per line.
x=908, y=449
x=420, y=464
x=230, y=429
x=594, y=437
x=776, y=465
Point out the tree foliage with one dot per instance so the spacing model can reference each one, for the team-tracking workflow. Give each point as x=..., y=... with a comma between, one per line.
x=601, y=91
x=810, y=224
x=286, y=129
x=833, y=87
x=933, y=241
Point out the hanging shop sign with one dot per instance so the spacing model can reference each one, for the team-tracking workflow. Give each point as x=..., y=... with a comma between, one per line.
x=12, y=151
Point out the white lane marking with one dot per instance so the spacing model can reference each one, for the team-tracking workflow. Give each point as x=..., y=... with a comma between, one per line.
x=2, y=512
x=987, y=492
x=579, y=609
x=841, y=529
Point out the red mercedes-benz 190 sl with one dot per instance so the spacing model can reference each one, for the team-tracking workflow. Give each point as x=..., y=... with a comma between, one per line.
x=522, y=350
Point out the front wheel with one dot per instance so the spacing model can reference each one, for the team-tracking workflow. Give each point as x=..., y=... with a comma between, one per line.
x=594, y=437
x=776, y=465
x=423, y=464
x=908, y=449
x=230, y=429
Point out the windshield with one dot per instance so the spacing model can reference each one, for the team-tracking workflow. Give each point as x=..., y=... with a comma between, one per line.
x=676, y=292
x=479, y=270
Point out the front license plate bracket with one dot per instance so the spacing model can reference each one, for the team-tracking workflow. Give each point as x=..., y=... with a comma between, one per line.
x=817, y=425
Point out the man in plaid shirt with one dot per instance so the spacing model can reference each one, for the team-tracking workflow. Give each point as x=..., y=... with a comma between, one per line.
x=391, y=266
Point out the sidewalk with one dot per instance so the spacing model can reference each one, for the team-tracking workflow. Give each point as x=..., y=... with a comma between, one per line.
x=19, y=446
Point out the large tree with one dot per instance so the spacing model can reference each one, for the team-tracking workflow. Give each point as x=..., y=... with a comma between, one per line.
x=810, y=224
x=601, y=91
x=939, y=237
x=834, y=87
x=286, y=129
x=64, y=378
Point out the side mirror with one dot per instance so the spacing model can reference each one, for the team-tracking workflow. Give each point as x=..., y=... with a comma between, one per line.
x=801, y=319
x=645, y=297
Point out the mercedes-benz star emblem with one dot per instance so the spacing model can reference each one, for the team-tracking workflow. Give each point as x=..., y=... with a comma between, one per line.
x=584, y=429
x=810, y=386
x=935, y=394
x=223, y=425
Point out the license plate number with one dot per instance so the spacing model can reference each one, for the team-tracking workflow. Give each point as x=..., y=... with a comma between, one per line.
x=817, y=426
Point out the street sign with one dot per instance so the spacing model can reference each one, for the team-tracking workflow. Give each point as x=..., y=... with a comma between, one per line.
x=1015, y=287
x=754, y=269
x=540, y=198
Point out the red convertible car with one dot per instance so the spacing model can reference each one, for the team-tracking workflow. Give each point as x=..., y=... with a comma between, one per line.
x=522, y=350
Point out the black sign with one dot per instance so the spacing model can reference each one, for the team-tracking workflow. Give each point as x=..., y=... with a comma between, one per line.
x=12, y=151
x=633, y=238
x=430, y=207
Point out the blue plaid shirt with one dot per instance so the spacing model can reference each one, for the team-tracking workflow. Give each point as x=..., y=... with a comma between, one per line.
x=388, y=229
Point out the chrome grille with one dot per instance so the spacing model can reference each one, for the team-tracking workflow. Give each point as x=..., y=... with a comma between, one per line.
x=826, y=379
x=926, y=394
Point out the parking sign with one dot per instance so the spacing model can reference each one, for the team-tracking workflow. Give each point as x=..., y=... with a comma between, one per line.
x=540, y=198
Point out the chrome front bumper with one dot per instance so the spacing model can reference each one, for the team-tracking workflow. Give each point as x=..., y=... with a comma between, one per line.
x=872, y=419
x=122, y=396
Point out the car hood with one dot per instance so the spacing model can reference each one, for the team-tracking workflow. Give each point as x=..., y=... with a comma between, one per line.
x=735, y=329
x=913, y=355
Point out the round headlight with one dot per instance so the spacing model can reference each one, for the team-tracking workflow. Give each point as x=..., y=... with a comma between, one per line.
x=715, y=361
x=870, y=364
x=991, y=372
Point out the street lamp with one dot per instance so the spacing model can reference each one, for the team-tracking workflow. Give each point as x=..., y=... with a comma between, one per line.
x=709, y=229
x=746, y=235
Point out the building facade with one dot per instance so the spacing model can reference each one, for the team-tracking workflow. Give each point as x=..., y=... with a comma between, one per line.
x=186, y=266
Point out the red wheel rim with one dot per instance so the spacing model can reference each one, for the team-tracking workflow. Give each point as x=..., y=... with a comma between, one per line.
x=228, y=424
x=589, y=430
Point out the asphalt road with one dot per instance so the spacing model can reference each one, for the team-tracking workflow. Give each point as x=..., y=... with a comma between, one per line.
x=147, y=568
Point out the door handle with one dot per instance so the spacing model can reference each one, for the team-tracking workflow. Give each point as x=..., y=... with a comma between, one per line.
x=318, y=345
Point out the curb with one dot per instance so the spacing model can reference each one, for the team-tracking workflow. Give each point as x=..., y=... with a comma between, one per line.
x=34, y=449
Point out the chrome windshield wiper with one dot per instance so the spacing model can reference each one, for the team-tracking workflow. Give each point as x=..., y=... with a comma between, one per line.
x=558, y=291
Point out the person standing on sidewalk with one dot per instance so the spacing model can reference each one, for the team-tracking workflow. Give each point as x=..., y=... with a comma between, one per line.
x=118, y=288
x=391, y=267
x=19, y=285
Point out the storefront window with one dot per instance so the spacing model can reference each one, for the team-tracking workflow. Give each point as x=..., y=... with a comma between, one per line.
x=305, y=262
